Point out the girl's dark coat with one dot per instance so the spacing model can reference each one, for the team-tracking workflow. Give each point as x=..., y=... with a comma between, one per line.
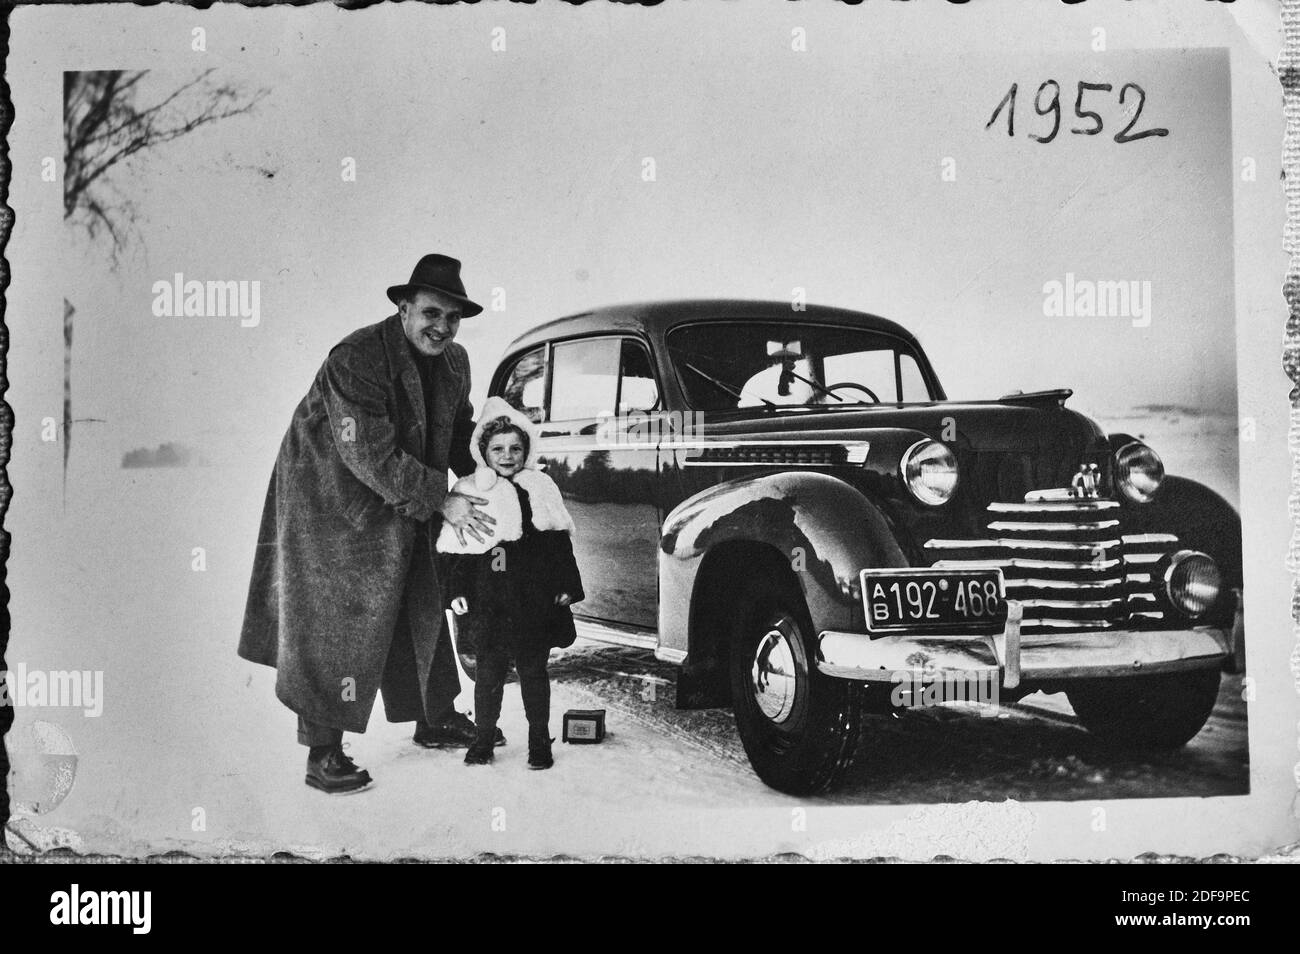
x=511, y=590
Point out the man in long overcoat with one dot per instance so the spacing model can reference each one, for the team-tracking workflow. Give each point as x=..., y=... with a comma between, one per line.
x=344, y=599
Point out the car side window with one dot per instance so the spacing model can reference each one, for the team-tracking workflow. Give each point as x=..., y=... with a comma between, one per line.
x=911, y=381
x=525, y=387
x=584, y=381
x=637, y=389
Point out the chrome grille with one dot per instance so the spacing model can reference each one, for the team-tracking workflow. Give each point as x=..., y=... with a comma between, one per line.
x=1068, y=561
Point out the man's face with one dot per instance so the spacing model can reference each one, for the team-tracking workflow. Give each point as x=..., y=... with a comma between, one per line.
x=505, y=453
x=430, y=321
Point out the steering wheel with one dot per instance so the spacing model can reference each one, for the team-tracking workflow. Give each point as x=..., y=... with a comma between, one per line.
x=860, y=387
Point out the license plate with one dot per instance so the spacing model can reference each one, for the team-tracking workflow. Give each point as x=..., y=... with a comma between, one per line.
x=911, y=599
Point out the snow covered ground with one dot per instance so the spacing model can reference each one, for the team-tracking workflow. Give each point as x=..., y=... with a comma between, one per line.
x=190, y=733
x=193, y=752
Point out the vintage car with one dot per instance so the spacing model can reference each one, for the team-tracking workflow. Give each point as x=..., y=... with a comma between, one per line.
x=785, y=504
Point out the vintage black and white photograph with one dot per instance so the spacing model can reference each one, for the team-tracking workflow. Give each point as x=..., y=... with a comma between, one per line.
x=709, y=430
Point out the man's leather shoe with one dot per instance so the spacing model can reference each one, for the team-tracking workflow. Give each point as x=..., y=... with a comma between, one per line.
x=479, y=754
x=456, y=731
x=331, y=771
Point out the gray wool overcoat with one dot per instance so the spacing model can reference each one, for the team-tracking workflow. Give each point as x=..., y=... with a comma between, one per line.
x=339, y=524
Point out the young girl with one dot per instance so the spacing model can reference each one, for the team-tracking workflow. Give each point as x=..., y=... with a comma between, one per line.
x=511, y=592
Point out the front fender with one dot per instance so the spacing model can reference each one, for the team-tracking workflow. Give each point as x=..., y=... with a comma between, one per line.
x=825, y=530
x=1203, y=521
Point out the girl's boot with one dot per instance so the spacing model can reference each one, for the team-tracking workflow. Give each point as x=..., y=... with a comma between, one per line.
x=480, y=752
x=539, y=747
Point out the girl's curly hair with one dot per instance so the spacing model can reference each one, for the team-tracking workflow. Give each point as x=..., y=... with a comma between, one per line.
x=501, y=425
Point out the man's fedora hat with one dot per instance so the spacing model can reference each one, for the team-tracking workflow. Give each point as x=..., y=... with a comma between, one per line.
x=439, y=273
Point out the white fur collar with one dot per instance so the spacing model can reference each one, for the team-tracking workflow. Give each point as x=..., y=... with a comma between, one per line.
x=548, y=508
x=544, y=497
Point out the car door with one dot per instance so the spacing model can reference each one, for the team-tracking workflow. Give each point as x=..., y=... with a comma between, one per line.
x=597, y=445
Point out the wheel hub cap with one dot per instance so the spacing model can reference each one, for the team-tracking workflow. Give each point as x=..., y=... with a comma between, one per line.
x=773, y=676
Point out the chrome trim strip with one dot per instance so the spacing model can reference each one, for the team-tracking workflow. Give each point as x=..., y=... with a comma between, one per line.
x=1013, y=544
x=697, y=462
x=732, y=445
x=1052, y=622
x=1027, y=527
x=1070, y=604
x=1026, y=564
x=1053, y=506
x=1143, y=539
x=620, y=636
x=1137, y=578
x=1035, y=583
x=1143, y=597
x=1143, y=557
x=1006, y=645
x=546, y=449
x=1053, y=493
x=856, y=451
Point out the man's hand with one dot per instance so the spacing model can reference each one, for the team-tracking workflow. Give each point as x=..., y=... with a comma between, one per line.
x=563, y=599
x=463, y=513
x=459, y=606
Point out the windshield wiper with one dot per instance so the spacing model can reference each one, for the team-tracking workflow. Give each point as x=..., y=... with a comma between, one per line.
x=813, y=384
x=723, y=387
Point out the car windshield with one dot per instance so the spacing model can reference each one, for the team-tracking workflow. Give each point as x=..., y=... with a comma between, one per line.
x=724, y=365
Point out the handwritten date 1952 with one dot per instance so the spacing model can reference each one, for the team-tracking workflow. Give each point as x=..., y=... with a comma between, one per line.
x=1092, y=122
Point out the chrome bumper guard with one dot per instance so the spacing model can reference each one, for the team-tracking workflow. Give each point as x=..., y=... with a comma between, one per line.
x=1014, y=659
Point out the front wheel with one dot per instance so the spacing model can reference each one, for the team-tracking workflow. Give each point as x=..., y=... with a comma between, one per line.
x=799, y=727
x=1156, y=712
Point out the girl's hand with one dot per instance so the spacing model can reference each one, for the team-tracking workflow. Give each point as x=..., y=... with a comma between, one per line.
x=459, y=606
x=563, y=599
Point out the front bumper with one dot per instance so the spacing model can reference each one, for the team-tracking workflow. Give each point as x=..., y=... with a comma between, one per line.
x=1014, y=660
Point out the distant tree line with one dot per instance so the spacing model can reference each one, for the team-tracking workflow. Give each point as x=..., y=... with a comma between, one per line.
x=595, y=481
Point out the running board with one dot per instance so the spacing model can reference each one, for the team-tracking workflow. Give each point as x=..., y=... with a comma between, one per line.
x=633, y=637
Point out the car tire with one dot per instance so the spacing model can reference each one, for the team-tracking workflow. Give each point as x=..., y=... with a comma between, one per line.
x=798, y=726
x=1157, y=712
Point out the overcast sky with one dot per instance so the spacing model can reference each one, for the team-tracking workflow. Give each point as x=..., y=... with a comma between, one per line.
x=775, y=169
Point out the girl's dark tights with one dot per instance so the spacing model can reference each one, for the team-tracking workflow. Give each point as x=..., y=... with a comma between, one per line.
x=534, y=686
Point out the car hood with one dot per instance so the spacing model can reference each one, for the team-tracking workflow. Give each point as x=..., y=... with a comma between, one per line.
x=1005, y=447
x=1023, y=423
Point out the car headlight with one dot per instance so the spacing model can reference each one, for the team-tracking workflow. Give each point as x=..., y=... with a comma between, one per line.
x=930, y=471
x=1192, y=582
x=1138, y=472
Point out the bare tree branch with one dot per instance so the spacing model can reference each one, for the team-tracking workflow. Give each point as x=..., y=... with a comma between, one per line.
x=103, y=125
